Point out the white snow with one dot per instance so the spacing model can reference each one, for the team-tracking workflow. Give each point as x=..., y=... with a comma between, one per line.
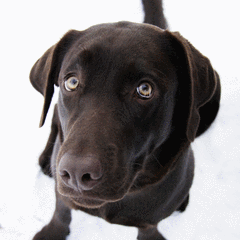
x=28, y=29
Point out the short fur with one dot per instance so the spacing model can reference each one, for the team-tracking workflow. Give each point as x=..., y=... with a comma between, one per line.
x=113, y=153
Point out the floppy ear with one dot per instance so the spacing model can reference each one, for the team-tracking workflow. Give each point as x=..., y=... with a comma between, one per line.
x=199, y=88
x=196, y=105
x=44, y=73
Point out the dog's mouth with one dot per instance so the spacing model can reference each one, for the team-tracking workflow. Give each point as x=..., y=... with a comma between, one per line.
x=87, y=202
x=92, y=199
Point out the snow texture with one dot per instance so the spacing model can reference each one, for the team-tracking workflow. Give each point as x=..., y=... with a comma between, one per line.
x=28, y=29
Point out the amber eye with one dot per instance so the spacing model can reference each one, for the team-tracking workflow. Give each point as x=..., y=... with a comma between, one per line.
x=145, y=90
x=71, y=84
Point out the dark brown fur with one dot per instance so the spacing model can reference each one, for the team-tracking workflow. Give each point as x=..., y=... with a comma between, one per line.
x=113, y=153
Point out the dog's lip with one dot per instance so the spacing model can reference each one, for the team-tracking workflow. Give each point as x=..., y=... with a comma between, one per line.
x=90, y=196
x=91, y=202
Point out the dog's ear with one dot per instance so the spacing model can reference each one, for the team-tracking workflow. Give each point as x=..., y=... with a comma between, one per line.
x=44, y=73
x=199, y=88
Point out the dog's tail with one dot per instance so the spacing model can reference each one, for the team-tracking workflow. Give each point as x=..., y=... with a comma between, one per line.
x=154, y=13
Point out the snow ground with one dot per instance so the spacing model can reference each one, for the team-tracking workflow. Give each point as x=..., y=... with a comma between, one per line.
x=28, y=28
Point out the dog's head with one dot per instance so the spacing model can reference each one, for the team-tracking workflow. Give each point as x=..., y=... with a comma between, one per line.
x=132, y=97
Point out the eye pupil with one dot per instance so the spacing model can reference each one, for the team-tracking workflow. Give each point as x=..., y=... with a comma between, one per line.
x=145, y=87
x=71, y=84
x=145, y=90
x=74, y=81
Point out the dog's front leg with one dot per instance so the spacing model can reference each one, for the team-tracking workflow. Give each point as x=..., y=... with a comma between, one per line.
x=45, y=157
x=149, y=233
x=58, y=228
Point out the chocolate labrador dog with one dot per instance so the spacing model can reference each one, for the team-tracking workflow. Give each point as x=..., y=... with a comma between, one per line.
x=132, y=98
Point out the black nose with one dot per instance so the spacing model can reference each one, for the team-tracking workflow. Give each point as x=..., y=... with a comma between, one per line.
x=80, y=173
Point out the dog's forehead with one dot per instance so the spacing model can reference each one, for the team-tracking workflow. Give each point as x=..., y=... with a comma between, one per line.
x=123, y=31
x=122, y=43
x=123, y=38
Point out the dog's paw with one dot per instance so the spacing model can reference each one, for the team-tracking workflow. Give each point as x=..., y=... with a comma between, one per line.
x=52, y=233
x=44, y=162
x=150, y=234
x=184, y=205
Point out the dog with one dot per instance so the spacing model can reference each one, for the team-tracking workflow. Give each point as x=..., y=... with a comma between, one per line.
x=132, y=98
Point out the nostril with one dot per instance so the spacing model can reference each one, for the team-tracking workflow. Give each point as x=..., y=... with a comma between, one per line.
x=65, y=175
x=89, y=180
x=91, y=177
x=86, y=177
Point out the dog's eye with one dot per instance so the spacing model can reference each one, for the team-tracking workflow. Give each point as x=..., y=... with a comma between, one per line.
x=71, y=84
x=145, y=90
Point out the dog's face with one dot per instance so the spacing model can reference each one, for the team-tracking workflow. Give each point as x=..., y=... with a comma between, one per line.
x=115, y=107
x=119, y=103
